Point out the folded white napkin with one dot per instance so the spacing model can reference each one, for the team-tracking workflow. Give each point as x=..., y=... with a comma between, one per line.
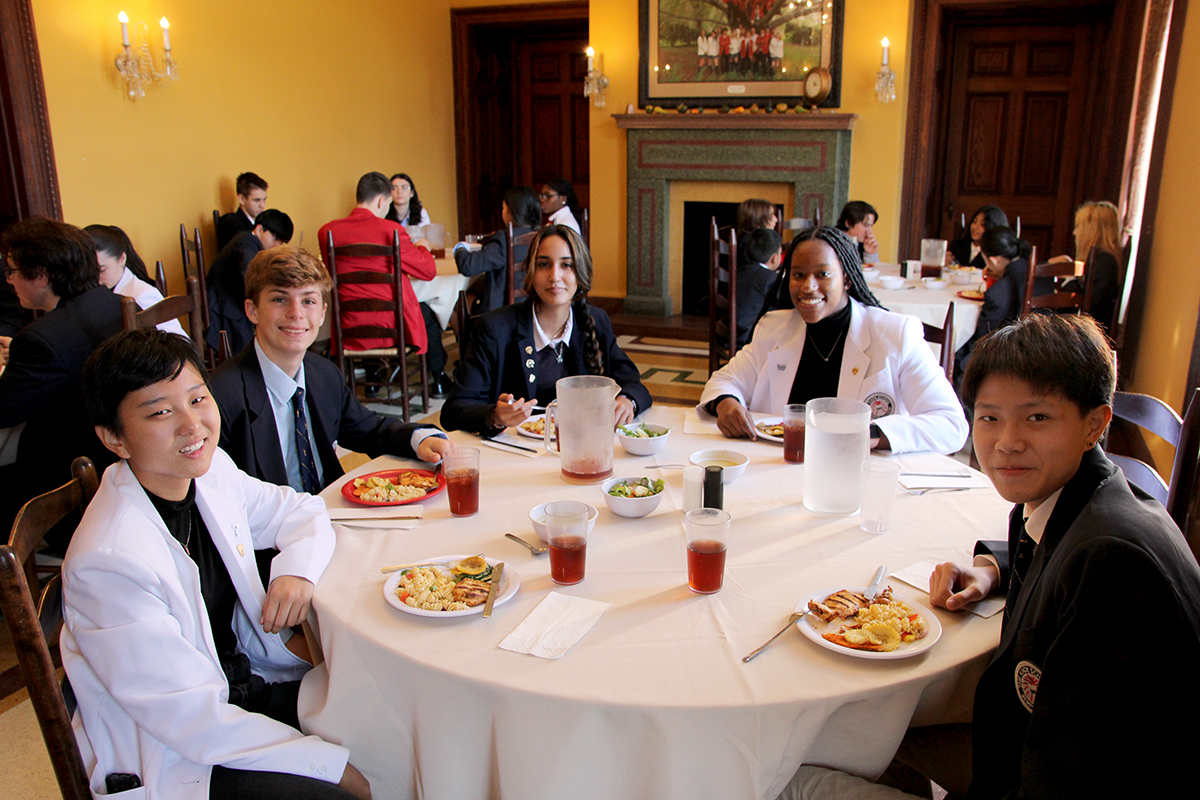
x=514, y=444
x=377, y=512
x=693, y=425
x=934, y=471
x=551, y=629
x=918, y=576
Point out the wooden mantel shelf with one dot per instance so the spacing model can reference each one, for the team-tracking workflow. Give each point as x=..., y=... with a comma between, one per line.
x=673, y=120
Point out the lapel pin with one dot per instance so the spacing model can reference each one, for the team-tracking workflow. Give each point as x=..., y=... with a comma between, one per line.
x=531, y=379
x=781, y=367
x=854, y=371
x=241, y=549
x=528, y=350
x=529, y=363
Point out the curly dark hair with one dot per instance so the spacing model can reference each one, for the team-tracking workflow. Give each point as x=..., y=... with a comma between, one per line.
x=63, y=253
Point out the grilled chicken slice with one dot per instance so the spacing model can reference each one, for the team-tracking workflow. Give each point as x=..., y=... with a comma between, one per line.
x=471, y=591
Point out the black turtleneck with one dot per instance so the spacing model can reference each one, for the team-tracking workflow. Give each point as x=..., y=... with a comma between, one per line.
x=821, y=359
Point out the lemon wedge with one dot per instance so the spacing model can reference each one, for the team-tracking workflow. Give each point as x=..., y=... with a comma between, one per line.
x=471, y=566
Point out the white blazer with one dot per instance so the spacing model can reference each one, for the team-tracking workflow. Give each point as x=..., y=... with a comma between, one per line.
x=885, y=363
x=145, y=296
x=564, y=217
x=139, y=650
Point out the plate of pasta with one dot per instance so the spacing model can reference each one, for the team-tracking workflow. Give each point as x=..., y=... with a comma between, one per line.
x=916, y=627
x=430, y=591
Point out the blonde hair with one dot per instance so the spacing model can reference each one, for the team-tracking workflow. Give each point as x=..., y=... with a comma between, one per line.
x=1098, y=223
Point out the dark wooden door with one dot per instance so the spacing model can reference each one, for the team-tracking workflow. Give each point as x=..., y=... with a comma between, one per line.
x=1016, y=105
x=552, y=119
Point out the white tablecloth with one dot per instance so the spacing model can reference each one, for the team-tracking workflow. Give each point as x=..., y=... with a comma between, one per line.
x=654, y=702
x=441, y=292
x=929, y=305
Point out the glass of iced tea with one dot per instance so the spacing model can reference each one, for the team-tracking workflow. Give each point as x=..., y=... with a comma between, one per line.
x=566, y=532
x=793, y=433
x=707, y=532
x=461, y=465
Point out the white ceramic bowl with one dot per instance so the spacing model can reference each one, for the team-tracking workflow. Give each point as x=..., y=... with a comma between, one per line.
x=870, y=273
x=892, y=282
x=703, y=458
x=934, y=283
x=630, y=506
x=638, y=446
x=537, y=518
x=963, y=277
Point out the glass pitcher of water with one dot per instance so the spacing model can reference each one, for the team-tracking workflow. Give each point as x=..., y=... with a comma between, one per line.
x=582, y=417
x=837, y=441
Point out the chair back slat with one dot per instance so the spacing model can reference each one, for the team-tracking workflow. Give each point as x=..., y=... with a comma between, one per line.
x=160, y=278
x=945, y=337
x=168, y=308
x=511, y=290
x=585, y=228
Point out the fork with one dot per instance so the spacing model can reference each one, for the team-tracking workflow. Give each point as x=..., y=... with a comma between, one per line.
x=792, y=620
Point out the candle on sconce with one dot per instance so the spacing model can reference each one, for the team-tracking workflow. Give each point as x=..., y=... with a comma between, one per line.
x=590, y=54
x=166, y=33
x=885, y=51
x=124, y=19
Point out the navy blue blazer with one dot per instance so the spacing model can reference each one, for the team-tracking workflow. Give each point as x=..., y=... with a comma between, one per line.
x=230, y=225
x=500, y=359
x=250, y=437
x=227, y=293
x=491, y=261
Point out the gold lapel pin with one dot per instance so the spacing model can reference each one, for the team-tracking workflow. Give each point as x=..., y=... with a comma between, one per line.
x=854, y=371
x=241, y=549
x=528, y=350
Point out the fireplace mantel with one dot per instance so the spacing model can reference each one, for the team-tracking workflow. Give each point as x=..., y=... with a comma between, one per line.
x=810, y=151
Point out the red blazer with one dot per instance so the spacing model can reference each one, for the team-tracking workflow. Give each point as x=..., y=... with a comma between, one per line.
x=363, y=227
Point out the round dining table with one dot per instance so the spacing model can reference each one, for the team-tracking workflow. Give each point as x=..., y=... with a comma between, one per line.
x=654, y=701
x=929, y=305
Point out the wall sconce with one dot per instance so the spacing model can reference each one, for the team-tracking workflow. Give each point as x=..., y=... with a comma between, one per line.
x=885, y=79
x=140, y=71
x=596, y=81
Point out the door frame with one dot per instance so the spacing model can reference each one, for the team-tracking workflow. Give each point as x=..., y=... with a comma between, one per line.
x=463, y=21
x=25, y=114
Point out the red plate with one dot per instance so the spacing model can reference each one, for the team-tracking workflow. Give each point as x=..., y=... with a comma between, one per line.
x=971, y=294
x=389, y=474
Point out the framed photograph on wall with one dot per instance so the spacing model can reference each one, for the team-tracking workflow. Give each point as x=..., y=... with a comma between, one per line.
x=714, y=53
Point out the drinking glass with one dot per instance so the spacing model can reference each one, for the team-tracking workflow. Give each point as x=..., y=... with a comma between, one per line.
x=462, y=480
x=878, y=493
x=933, y=257
x=793, y=433
x=707, y=531
x=566, y=533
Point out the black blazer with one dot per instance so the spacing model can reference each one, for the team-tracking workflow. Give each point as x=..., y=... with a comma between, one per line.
x=1104, y=633
x=491, y=261
x=500, y=359
x=230, y=225
x=227, y=293
x=249, y=435
x=41, y=387
x=1001, y=306
x=754, y=282
x=961, y=250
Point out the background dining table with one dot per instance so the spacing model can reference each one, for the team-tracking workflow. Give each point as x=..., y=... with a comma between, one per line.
x=442, y=291
x=929, y=305
x=654, y=701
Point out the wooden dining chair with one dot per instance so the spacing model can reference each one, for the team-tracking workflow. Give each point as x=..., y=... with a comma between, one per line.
x=168, y=308
x=798, y=224
x=585, y=229
x=1057, y=301
x=395, y=357
x=945, y=337
x=722, y=295
x=193, y=264
x=225, y=351
x=511, y=290
x=160, y=278
x=33, y=625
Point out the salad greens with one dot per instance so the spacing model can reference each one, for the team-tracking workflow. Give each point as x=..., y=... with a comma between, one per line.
x=639, y=431
x=637, y=487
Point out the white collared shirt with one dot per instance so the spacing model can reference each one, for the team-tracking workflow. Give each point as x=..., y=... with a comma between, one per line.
x=564, y=217
x=542, y=341
x=280, y=388
x=1035, y=526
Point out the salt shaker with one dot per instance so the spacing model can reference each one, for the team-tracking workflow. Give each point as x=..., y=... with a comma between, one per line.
x=693, y=488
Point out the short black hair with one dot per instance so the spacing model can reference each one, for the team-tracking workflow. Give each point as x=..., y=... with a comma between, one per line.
x=248, y=181
x=761, y=244
x=1063, y=354
x=372, y=185
x=993, y=217
x=112, y=241
x=1003, y=241
x=855, y=212
x=524, y=207
x=63, y=253
x=276, y=223
x=129, y=361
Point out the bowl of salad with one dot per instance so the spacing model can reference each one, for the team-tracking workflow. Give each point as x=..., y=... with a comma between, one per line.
x=642, y=438
x=633, y=497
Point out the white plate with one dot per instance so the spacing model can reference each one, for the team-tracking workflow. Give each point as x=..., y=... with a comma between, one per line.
x=768, y=421
x=812, y=627
x=533, y=418
x=510, y=581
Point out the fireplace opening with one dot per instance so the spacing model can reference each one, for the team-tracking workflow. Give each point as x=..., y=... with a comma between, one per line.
x=697, y=222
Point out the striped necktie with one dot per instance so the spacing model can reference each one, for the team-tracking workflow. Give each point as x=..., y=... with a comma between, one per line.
x=308, y=464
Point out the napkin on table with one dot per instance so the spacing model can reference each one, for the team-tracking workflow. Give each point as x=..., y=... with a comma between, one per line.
x=515, y=444
x=918, y=576
x=940, y=473
x=551, y=629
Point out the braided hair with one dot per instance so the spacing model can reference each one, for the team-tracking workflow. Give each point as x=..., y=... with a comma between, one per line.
x=581, y=260
x=846, y=250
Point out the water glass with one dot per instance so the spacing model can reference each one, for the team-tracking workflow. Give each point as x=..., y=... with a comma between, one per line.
x=793, y=433
x=879, y=477
x=566, y=533
x=461, y=465
x=707, y=531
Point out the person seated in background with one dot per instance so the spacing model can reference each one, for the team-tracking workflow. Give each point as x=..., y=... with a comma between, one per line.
x=858, y=222
x=1008, y=265
x=837, y=341
x=1086, y=556
x=406, y=205
x=52, y=268
x=252, y=200
x=518, y=352
x=367, y=224
x=753, y=214
x=560, y=205
x=283, y=409
x=1098, y=223
x=489, y=264
x=967, y=251
x=183, y=664
x=764, y=254
x=226, y=278
x=123, y=271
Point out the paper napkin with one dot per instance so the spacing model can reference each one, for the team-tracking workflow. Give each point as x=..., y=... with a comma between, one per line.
x=918, y=576
x=551, y=629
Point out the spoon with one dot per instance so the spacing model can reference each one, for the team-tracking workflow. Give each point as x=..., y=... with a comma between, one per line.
x=792, y=620
x=537, y=550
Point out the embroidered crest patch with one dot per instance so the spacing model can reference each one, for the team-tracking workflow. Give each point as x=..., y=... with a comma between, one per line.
x=881, y=405
x=1027, y=677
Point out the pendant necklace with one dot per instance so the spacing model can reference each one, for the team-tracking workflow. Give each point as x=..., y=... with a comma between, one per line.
x=187, y=541
x=817, y=350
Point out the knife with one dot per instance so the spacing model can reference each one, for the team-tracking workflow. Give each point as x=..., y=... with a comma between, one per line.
x=873, y=590
x=497, y=571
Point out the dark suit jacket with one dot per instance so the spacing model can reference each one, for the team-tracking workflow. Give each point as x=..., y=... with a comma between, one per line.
x=754, y=282
x=1106, y=288
x=491, y=261
x=41, y=387
x=230, y=225
x=1104, y=633
x=500, y=359
x=961, y=249
x=1001, y=305
x=227, y=293
x=249, y=435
